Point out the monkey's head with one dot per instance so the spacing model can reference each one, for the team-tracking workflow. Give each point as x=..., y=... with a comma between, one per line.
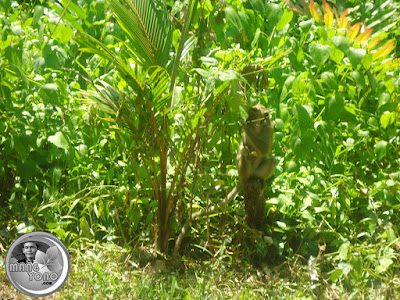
x=258, y=118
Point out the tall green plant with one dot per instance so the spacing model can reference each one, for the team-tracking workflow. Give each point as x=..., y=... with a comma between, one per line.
x=144, y=106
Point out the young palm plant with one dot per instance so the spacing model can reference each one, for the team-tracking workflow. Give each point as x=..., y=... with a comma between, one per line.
x=146, y=105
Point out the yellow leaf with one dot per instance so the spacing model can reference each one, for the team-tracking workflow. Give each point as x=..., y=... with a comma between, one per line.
x=313, y=11
x=395, y=63
x=384, y=50
x=328, y=16
x=343, y=22
x=354, y=30
x=364, y=36
x=373, y=43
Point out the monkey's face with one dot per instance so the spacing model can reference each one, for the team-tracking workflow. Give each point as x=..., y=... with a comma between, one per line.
x=259, y=118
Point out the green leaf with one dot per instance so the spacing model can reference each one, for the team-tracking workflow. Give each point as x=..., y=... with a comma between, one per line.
x=63, y=33
x=359, y=79
x=258, y=6
x=320, y=54
x=381, y=149
x=337, y=55
x=228, y=75
x=356, y=56
x=17, y=29
x=75, y=8
x=59, y=140
x=387, y=119
x=345, y=267
x=384, y=264
x=330, y=80
x=336, y=274
x=383, y=99
x=306, y=25
x=233, y=17
x=341, y=42
x=286, y=18
x=149, y=29
x=92, y=45
x=38, y=13
x=303, y=114
x=334, y=107
x=274, y=13
x=367, y=61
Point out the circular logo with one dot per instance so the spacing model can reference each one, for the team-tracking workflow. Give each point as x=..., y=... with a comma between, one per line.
x=37, y=264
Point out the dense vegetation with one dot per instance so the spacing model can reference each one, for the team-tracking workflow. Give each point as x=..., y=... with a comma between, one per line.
x=120, y=118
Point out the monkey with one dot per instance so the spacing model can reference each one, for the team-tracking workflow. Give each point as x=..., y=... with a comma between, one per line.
x=256, y=145
x=253, y=158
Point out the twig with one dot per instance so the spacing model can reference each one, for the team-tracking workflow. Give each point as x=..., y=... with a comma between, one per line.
x=200, y=213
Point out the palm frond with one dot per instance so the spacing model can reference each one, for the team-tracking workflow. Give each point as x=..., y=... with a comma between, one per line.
x=148, y=28
x=91, y=45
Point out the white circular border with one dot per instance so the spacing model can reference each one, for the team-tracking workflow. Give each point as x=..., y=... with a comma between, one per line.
x=64, y=274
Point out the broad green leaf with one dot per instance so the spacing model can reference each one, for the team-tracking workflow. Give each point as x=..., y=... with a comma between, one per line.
x=336, y=274
x=303, y=114
x=359, y=79
x=330, y=80
x=381, y=149
x=286, y=18
x=59, y=140
x=367, y=61
x=383, y=98
x=336, y=55
x=345, y=267
x=258, y=6
x=355, y=56
x=274, y=13
x=387, y=119
x=38, y=13
x=209, y=61
x=57, y=172
x=306, y=25
x=343, y=251
x=82, y=149
x=320, y=54
x=63, y=33
x=341, y=42
x=207, y=73
x=357, y=263
x=321, y=209
x=17, y=29
x=384, y=263
x=227, y=75
x=292, y=167
x=233, y=17
x=334, y=107
x=307, y=215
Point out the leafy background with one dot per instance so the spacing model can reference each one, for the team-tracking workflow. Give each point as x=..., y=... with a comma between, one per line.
x=91, y=126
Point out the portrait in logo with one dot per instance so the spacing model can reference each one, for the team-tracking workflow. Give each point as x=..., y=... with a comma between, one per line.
x=37, y=264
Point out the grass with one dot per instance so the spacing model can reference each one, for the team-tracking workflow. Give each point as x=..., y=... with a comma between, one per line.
x=110, y=272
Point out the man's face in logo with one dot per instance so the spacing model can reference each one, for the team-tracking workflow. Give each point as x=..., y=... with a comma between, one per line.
x=29, y=250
